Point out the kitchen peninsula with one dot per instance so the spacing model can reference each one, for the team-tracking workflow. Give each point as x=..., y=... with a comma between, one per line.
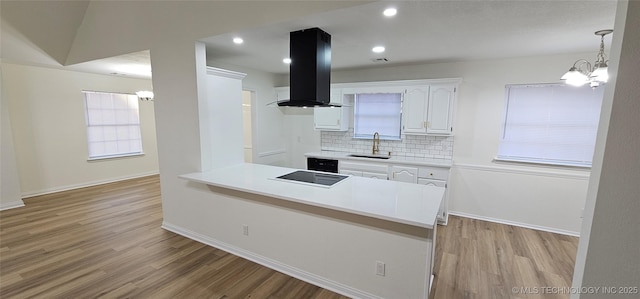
x=361, y=237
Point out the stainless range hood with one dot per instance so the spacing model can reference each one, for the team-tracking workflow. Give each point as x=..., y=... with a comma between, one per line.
x=310, y=69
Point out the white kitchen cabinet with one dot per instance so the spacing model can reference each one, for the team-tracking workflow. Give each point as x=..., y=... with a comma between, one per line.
x=335, y=96
x=414, y=109
x=375, y=175
x=369, y=170
x=428, y=109
x=350, y=172
x=440, y=109
x=434, y=176
x=429, y=182
x=404, y=174
x=332, y=118
x=437, y=176
x=282, y=94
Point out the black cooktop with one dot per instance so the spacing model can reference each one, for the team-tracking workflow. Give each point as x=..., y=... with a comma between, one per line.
x=324, y=179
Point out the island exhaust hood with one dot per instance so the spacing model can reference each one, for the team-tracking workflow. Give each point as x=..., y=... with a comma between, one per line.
x=310, y=69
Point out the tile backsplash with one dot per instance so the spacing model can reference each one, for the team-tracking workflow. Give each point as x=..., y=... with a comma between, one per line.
x=419, y=146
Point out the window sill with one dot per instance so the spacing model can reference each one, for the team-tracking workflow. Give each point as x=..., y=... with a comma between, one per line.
x=541, y=163
x=371, y=138
x=101, y=158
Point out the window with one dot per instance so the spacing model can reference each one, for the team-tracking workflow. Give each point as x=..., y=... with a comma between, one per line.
x=377, y=112
x=113, y=125
x=550, y=124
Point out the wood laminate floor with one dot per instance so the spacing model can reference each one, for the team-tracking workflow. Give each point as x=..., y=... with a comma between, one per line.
x=106, y=242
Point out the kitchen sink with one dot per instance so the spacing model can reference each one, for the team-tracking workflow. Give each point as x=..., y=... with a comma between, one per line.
x=369, y=156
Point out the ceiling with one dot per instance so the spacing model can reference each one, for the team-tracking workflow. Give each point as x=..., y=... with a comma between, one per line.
x=421, y=32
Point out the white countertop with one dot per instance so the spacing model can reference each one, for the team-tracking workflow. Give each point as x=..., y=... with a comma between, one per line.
x=393, y=160
x=406, y=203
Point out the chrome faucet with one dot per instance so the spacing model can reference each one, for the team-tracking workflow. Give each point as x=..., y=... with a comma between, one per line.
x=376, y=143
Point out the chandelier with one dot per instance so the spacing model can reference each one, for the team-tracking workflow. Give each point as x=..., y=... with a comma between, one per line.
x=582, y=72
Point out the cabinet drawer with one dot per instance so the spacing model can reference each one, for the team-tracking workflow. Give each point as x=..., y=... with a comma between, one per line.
x=436, y=173
x=437, y=183
x=350, y=172
x=374, y=175
x=368, y=167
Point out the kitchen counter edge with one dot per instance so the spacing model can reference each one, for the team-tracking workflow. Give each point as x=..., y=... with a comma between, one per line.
x=393, y=160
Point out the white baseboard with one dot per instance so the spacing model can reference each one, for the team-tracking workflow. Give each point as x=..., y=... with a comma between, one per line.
x=519, y=224
x=272, y=264
x=86, y=184
x=11, y=205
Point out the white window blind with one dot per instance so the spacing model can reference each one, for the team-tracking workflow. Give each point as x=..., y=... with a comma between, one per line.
x=550, y=124
x=377, y=112
x=113, y=124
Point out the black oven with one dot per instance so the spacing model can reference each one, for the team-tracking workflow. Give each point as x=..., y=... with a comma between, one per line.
x=326, y=165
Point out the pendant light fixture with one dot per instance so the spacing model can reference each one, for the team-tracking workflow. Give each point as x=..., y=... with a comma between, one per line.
x=582, y=72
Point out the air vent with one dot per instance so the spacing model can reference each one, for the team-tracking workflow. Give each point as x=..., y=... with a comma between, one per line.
x=379, y=60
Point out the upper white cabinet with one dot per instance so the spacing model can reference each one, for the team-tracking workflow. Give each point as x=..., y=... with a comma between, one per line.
x=414, y=109
x=335, y=96
x=282, y=93
x=428, y=105
x=429, y=109
x=440, y=110
x=332, y=118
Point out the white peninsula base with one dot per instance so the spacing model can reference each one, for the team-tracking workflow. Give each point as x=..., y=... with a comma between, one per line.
x=362, y=238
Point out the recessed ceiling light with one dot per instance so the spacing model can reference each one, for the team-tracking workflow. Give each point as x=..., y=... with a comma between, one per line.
x=390, y=12
x=378, y=49
x=287, y=60
x=238, y=40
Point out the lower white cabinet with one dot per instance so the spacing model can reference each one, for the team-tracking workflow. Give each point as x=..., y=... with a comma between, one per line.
x=404, y=174
x=350, y=172
x=437, y=176
x=430, y=182
x=368, y=170
x=424, y=175
x=375, y=175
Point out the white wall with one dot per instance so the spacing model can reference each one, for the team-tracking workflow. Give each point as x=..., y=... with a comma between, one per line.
x=608, y=252
x=46, y=108
x=540, y=197
x=10, y=196
x=270, y=130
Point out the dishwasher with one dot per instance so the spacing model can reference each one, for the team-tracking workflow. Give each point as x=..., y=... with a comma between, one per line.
x=326, y=165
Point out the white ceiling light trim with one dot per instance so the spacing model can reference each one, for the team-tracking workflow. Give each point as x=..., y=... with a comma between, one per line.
x=582, y=72
x=238, y=40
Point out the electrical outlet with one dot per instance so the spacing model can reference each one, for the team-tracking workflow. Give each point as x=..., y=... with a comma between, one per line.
x=245, y=230
x=380, y=268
